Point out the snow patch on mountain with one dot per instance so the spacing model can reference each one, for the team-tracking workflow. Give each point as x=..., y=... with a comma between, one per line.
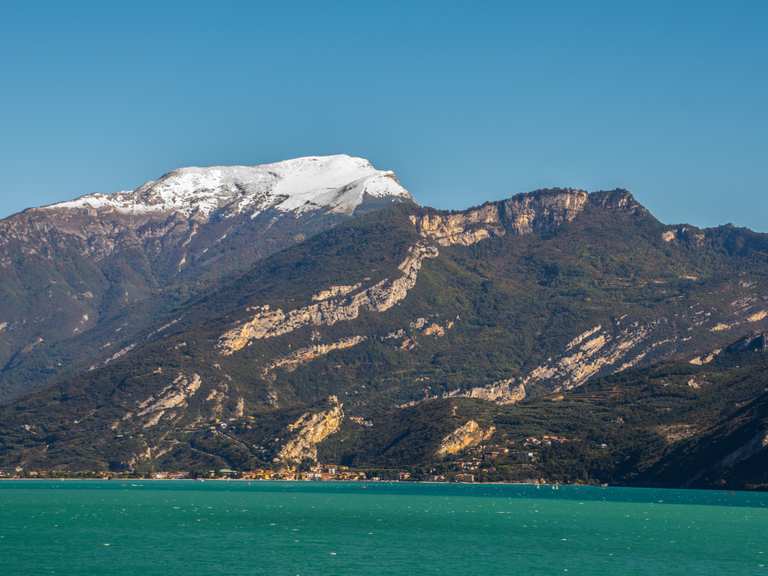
x=337, y=184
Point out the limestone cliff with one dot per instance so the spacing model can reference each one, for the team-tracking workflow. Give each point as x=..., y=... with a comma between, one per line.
x=268, y=323
x=464, y=228
x=539, y=211
x=596, y=350
x=467, y=436
x=292, y=361
x=501, y=392
x=310, y=430
x=174, y=396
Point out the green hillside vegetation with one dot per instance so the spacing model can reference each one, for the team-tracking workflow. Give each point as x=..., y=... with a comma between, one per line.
x=505, y=306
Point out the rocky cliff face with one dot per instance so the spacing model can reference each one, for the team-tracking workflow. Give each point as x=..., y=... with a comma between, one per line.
x=463, y=228
x=379, y=297
x=309, y=431
x=467, y=436
x=301, y=356
x=542, y=211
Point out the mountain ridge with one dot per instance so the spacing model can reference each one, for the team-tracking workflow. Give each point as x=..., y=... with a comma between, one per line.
x=412, y=336
x=70, y=268
x=298, y=184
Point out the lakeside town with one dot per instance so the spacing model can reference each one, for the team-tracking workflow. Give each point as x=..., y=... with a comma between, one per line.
x=484, y=463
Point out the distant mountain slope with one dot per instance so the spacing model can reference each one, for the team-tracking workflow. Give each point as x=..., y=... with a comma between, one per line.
x=89, y=274
x=671, y=424
x=730, y=449
x=411, y=337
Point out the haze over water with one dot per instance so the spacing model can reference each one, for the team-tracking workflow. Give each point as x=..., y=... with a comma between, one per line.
x=175, y=528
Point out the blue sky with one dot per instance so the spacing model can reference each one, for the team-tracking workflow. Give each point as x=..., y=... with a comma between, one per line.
x=466, y=101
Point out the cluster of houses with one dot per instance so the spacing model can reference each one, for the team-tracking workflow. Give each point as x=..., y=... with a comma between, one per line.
x=481, y=462
x=477, y=464
x=316, y=472
x=546, y=440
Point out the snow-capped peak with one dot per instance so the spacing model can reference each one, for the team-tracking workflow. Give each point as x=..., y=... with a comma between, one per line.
x=334, y=183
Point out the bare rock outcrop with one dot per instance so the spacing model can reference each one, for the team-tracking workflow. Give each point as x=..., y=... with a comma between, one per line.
x=539, y=211
x=268, y=323
x=467, y=436
x=304, y=355
x=172, y=397
x=309, y=430
x=460, y=228
x=591, y=352
x=334, y=292
x=543, y=210
x=502, y=392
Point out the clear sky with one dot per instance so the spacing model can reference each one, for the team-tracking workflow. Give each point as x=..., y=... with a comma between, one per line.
x=466, y=101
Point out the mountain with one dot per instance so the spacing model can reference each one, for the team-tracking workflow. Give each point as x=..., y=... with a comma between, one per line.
x=557, y=334
x=88, y=274
x=730, y=449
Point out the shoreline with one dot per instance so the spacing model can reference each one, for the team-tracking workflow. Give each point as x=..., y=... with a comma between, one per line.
x=309, y=481
x=554, y=486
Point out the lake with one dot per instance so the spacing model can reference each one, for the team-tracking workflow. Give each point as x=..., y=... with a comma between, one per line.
x=179, y=528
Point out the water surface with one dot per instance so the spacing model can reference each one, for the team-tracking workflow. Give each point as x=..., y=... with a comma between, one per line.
x=210, y=528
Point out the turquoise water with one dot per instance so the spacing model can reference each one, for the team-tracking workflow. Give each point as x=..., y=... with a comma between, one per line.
x=190, y=528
